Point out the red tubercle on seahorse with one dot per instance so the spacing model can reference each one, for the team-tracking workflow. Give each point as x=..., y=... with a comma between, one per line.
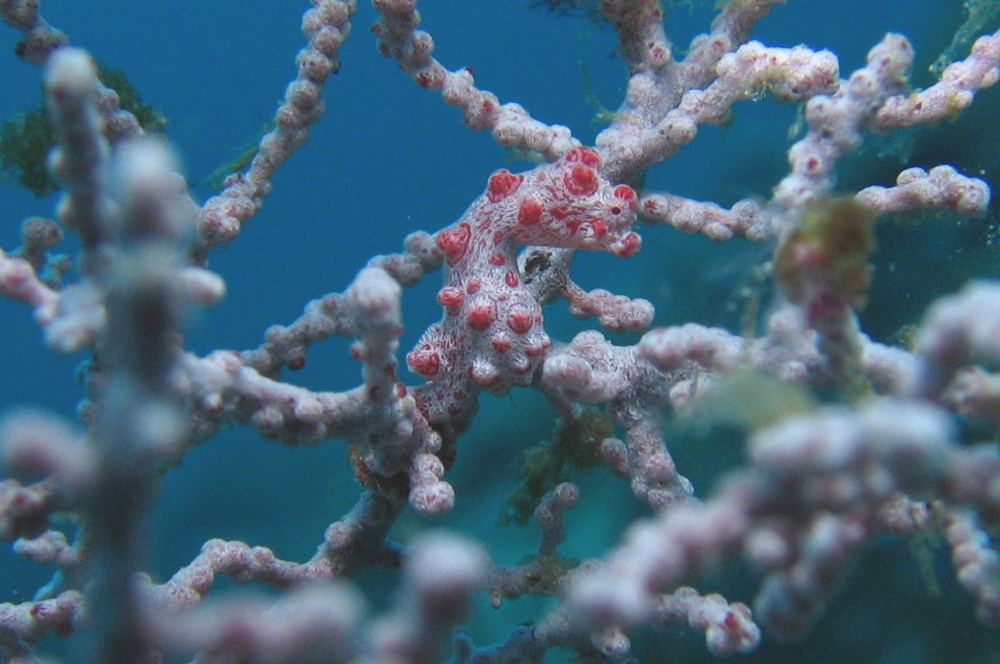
x=424, y=361
x=502, y=184
x=454, y=242
x=450, y=297
x=581, y=180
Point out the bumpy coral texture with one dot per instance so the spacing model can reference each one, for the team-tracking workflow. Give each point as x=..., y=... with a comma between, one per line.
x=492, y=327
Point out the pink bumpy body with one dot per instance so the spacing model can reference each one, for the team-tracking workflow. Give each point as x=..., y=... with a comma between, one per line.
x=491, y=336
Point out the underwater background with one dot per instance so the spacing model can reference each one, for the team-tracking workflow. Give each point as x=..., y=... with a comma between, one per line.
x=389, y=158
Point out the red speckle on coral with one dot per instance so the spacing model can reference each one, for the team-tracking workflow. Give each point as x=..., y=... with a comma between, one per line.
x=511, y=279
x=501, y=345
x=296, y=363
x=473, y=286
x=498, y=260
x=730, y=622
x=424, y=79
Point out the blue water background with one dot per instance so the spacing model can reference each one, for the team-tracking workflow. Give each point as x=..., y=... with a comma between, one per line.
x=389, y=158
